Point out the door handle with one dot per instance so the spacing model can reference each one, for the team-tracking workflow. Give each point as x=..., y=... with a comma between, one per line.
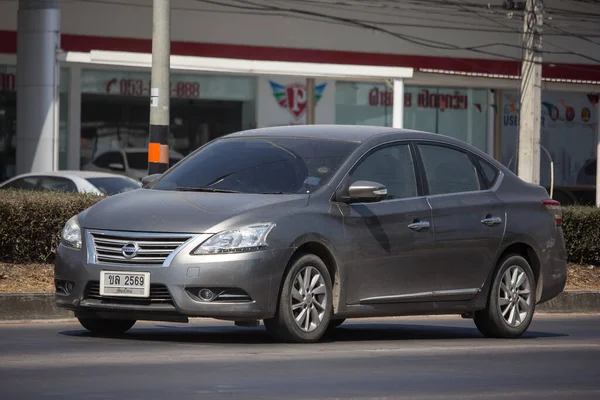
x=491, y=221
x=418, y=226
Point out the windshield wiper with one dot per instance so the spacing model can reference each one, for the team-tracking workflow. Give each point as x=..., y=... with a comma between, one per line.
x=205, y=189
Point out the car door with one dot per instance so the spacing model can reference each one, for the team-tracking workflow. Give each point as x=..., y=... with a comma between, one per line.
x=469, y=219
x=390, y=239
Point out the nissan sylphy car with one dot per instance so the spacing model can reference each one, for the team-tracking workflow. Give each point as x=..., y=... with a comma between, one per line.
x=303, y=227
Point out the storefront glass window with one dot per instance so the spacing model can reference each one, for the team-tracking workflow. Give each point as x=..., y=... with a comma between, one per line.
x=569, y=131
x=8, y=120
x=457, y=112
x=115, y=111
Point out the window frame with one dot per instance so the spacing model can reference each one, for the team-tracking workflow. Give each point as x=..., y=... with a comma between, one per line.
x=473, y=158
x=344, y=181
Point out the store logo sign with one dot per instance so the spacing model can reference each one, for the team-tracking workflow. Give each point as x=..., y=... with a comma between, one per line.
x=293, y=97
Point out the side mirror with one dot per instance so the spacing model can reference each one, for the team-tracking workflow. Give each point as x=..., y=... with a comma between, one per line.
x=366, y=191
x=116, y=167
x=149, y=179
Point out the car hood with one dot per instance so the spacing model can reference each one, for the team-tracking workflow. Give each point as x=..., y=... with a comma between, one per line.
x=146, y=210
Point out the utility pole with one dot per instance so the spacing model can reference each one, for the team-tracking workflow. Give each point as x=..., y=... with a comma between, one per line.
x=158, y=148
x=310, y=101
x=531, y=94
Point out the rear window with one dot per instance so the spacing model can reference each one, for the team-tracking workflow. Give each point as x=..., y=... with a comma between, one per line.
x=111, y=186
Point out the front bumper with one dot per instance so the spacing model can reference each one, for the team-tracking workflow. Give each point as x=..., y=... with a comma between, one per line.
x=248, y=284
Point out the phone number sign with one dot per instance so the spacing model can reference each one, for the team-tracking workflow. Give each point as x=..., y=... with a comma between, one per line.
x=141, y=87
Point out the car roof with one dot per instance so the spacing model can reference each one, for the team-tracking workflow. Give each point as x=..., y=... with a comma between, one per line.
x=74, y=173
x=351, y=133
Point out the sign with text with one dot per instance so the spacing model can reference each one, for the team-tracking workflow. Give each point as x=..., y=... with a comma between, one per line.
x=282, y=101
x=183, y=86
x=425, y=99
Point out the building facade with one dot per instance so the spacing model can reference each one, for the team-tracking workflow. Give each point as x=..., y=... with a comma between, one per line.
x=472, y=97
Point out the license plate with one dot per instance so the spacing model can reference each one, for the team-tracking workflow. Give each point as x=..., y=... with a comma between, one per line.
x=125, y=284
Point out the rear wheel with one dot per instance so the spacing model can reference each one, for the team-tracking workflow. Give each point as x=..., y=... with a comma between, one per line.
x=511, y=304
x=305, y=302
x=106, y=326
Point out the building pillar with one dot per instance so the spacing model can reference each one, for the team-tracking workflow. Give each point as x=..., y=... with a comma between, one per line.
x=74, y=123
x=598, y=153
x=38, y=39
x=398, y=107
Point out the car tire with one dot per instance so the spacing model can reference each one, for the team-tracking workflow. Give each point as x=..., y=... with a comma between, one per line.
x=502, y=317
x=317, y=301
x=103, y=326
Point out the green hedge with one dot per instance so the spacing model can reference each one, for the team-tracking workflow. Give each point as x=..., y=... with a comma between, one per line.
x=582, y=234
x=31, y=223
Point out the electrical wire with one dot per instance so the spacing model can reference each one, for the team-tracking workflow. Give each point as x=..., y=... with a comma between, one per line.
x=246, y=4
x=251, y=8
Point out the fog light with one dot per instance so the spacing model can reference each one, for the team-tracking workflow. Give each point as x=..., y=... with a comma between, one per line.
x=206, y=294
x=68, y=287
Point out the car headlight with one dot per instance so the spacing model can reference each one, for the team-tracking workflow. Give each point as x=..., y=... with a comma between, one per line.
x=241, y=240
x=71, y=233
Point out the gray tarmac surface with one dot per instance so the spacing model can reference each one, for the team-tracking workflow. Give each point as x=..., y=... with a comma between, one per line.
x=400, y=358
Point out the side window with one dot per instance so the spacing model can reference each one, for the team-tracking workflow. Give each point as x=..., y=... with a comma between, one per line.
x=391, y=166
x=448, y=170
x=56, y=183
x=28, y=183
x=111, y=157
x=490, y=173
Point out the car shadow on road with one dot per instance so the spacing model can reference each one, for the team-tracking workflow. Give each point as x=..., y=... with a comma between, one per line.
x=350, y=332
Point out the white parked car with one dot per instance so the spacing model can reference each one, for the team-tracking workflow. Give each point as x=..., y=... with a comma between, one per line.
x=132, y=162
x=100, y=183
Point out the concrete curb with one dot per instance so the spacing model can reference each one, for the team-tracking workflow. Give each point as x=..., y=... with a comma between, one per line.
x=30, y=306
x=41, y=306
x=572, y=301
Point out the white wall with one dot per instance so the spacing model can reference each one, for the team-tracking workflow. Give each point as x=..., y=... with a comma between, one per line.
x=438, y=25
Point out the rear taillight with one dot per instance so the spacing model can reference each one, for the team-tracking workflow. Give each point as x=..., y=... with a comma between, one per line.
x=553, y=207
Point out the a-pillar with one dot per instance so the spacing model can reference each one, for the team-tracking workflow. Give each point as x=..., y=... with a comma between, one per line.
x=398, y=108
x=38, y=39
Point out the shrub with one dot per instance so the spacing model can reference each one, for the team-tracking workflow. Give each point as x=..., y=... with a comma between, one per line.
x=31, y=222
x=582, y=234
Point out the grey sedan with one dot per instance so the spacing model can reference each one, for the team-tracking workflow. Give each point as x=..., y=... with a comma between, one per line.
x=303, y=227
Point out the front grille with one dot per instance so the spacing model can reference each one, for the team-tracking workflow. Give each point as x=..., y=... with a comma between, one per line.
x=153, y=249
x=159, y=294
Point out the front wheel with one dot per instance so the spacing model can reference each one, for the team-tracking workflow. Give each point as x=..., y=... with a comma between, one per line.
x=511, y=304
x=305, y=302
x=106, y=326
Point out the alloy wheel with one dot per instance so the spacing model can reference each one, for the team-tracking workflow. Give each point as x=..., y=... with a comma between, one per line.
x=308, y=299
x=514, y=296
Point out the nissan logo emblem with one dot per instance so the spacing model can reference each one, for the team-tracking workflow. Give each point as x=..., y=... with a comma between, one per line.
x=130, y=250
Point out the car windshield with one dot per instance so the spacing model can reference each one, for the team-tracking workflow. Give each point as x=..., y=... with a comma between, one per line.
x=259, y=165
x=139, y=160
x=111, y=186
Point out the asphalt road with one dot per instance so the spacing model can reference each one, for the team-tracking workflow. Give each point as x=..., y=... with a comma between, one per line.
x=403, y=358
